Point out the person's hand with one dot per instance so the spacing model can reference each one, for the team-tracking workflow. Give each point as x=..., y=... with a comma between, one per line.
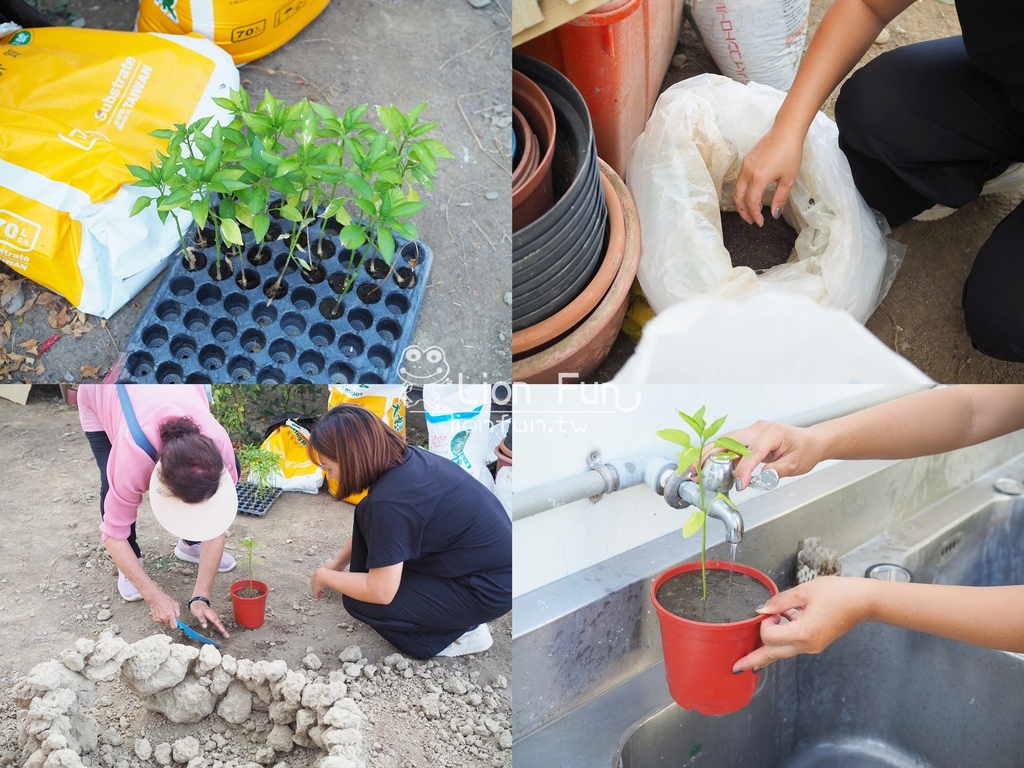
x=206, y=615
x=775, y=158
x=316, y=582
x=164, y=609
x=817, y=613
x=786, y=449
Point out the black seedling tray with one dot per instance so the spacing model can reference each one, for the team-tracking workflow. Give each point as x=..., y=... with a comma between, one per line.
x=253, y=500
x=200, y=330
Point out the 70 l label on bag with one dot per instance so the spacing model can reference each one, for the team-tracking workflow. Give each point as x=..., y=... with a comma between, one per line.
x=18, y=232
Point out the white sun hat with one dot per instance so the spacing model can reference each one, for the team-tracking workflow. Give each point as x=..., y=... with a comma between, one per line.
x=202, y=521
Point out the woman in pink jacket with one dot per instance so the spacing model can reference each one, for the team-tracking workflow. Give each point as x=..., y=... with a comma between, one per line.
x=162, y=439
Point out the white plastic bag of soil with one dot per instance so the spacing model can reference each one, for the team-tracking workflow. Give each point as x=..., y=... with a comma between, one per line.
x=682, y=171
x=459, y=425
x=759, y=41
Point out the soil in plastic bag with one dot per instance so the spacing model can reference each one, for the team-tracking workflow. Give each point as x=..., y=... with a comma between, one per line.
x=728, y=601
x=759, y=248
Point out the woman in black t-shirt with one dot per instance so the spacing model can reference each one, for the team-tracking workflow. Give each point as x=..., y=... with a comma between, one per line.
x=430, y=558
x=924, y=127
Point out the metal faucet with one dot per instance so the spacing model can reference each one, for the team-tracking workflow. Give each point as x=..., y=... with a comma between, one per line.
x=681, y=491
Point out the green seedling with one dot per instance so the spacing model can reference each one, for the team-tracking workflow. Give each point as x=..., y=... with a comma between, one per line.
x=250, y=545
x=260, y=465
x=691, y=456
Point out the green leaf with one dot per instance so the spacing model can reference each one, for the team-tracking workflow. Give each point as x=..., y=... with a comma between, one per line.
x=404, y=210
x=140, y=205
x=392, y=120
x=713, y=429
x=732, y=445
x=353, y=236
x=694, y=524
x=140, y=173
x=696, y=426
x=200, y=211
x=291, y=213
x=435, y=147
x=260, y=226
x=689, y=458
x=162, y=133
x=677, y=436
x=414, y=113
x=386, y=245
x=230, y=232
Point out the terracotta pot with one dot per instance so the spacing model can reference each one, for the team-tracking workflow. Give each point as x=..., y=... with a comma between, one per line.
x=534, y=195
x=568, y=317
x=249, y=611
x=528, y=147
x=582, y=349
x=699, y=656
x=504, y=456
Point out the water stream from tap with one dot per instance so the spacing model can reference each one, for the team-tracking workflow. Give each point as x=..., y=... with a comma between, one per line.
x=732, y=565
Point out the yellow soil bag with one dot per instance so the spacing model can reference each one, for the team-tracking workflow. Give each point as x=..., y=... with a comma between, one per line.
x=77, y=106
x=247, y=29
x=387, y=401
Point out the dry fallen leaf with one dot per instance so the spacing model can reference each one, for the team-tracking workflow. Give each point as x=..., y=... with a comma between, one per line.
x=31, y=346
x=90, y=372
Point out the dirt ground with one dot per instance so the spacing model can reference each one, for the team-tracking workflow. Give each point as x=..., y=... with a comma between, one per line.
x=57, y=584
x=920, y=318
x=399, y=52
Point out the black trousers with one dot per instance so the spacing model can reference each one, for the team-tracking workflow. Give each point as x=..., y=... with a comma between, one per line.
x=921, y=125
x=99, y=442
x=428, y=613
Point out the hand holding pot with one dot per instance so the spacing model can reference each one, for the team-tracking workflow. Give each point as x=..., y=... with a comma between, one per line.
x=817, y=613
x=206, y=615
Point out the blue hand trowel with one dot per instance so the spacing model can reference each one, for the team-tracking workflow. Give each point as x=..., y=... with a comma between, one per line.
x=195, y=635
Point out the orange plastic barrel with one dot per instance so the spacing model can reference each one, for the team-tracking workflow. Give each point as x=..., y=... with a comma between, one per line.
x=617, y=56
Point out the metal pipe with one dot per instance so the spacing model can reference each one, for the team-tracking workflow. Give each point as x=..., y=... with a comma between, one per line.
x=594, y=482
x=603, y=477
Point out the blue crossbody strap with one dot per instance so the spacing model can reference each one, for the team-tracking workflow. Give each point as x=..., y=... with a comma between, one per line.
x=133, y=423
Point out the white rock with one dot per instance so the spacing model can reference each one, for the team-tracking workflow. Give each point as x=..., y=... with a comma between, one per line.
x=143, y=749
x=280, y=738
x=185, y=749
x=236, y=705
x=350, y=654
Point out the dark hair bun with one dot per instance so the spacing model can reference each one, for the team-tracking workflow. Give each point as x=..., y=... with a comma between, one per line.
x=182, y=426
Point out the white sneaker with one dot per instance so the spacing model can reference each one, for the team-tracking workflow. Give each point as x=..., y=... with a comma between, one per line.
x=474, y=641
x=126, y=589
x=190, y=554
x=1010, y=179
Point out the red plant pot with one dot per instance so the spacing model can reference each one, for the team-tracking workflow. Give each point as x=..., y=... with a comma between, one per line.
x=699, y=656
x=249, y=611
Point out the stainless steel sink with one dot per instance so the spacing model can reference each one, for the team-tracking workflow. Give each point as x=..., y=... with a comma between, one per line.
x=590, y=690
x=880, y=697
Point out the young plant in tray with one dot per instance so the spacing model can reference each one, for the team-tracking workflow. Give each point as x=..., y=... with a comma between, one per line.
x=260, y=465
x=692, y=455
x=194, y=168
x=388, y=166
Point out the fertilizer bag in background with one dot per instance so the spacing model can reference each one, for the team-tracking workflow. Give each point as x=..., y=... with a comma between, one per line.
x=386, y=401
x=459, y=425
x=760, y=41
x=246, y=29
x=77, y=106
x=682, y=172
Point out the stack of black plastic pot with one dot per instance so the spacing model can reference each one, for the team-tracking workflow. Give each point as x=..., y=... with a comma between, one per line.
x=556, y=255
